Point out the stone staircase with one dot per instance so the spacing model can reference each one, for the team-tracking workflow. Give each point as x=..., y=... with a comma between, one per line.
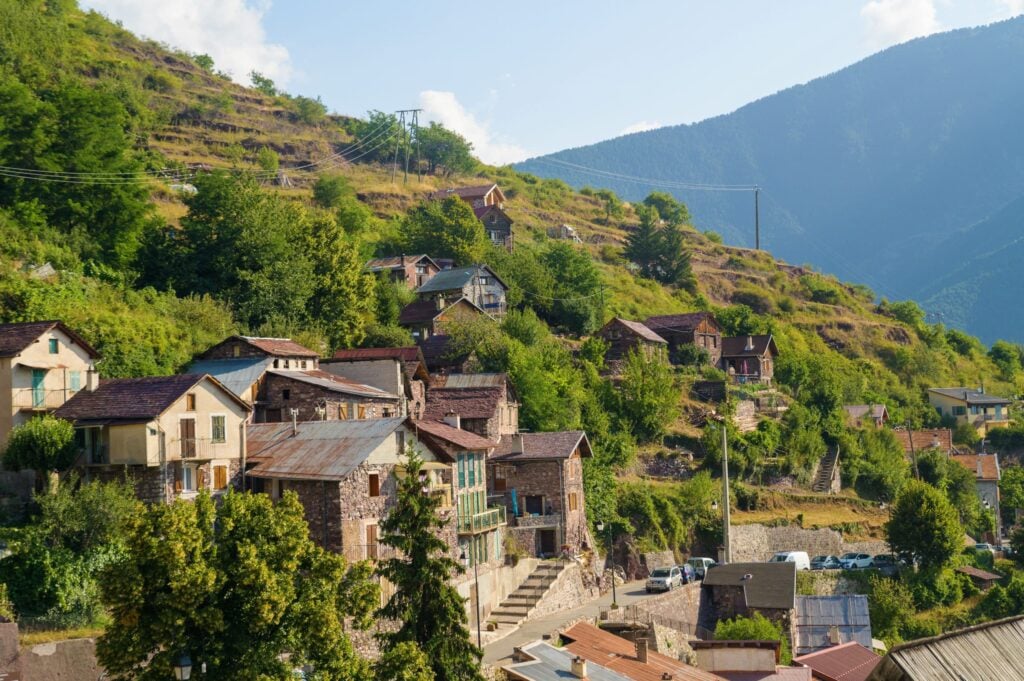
x=521, y=602
x=826, y=471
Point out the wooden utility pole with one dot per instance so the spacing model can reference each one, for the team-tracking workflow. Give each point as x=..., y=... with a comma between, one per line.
x=404, y=136
x=913, y=454
x=725, y=491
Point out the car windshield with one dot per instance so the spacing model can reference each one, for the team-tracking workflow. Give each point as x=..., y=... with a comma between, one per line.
x=779, y=558
x=660, y=572
x=819, y=559
x=849, y=556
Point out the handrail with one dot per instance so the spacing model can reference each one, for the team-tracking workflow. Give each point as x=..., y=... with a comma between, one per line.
x=484, y=520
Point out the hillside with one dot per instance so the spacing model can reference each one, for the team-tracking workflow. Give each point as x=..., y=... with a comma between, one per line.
x=871, y=173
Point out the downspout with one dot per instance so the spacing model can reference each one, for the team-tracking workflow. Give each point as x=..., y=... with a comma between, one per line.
x=162, y=452
x=241, y=447
x=323, y=512
x=565, y=506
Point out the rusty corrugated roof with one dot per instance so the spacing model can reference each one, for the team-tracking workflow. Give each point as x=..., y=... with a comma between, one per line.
x=847, y=662
x=982, y=466
x=455, y=436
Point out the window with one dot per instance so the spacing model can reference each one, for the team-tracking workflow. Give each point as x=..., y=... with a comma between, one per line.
x=462, y=470
x=480, y=468
x=371, y=542
x=220, y=477
x=286, y=394
x=236, y=351
x=342, y=412
x=959, y=411
x=277, y=364
x=188, y=479
x=483, y=281
x=218, y=428
x=500, y=482
x=190, y=402
x=472, y=469
x=287, y=364
x=54, y=346
x=75, y=380
x=374, y=485
x=302, y=364
x=362, y=411
x=572, y=501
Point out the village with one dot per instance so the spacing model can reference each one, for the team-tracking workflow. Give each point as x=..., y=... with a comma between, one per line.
x=270, y=416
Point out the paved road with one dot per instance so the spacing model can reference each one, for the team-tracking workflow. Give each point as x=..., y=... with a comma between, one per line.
x=628, y=593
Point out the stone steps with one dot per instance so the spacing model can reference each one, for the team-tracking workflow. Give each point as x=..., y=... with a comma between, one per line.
x=517, y=606
x=826, y=467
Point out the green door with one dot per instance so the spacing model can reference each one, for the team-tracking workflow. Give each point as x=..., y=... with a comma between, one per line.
x=38, y=391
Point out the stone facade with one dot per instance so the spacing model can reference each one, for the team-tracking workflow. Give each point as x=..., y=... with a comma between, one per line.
x=757, y=543
x=282, y=393
x=727, y=602
x=162, y=484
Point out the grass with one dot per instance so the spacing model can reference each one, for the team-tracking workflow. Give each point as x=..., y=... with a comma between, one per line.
x=829, y=512
x=34, y=638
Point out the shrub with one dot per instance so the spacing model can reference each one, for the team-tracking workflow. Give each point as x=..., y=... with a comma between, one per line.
x=756, y=628
x=713, y=237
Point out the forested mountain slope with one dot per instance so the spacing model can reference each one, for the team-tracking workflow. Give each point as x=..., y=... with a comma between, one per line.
x=865, y=172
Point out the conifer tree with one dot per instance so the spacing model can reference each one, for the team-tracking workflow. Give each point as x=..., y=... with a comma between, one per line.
x=643, y=244
x=429, y=609
x=674, y=260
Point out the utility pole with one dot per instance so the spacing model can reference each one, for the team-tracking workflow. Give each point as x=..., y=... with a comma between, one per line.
x=757, y=218
x=913, y=454
x=404, y=136
x=725, y=491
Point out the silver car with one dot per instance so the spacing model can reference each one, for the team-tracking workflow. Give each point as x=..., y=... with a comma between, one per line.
x=664, y=579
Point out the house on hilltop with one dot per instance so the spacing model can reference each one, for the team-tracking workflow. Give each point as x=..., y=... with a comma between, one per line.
x=623, y=336
x=428, y=318
x=477, y=283
x=875, y=414
x=488, y=203
x=485, y=403
x=749, y=359
x=742, y=589
x=697, y=329
x=914, y=441
x=412, y=270
x=986, y=471
x=972, y=406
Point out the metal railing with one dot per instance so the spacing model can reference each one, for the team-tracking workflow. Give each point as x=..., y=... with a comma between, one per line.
x=546, y=520
x=40, y=398
x=480, y=522
x=196, y=448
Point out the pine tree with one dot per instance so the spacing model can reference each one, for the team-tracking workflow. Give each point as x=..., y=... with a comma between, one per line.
x=643, y=244
x=673, y=263
x=430, y=610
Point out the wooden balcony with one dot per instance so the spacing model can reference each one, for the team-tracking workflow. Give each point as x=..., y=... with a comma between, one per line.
x=197, y=448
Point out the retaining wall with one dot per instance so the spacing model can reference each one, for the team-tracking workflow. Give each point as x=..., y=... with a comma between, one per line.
x=757, y=543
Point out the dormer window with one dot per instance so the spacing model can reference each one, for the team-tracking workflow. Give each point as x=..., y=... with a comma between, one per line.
x=54, y=346
x=484, y=281
x=190, y=402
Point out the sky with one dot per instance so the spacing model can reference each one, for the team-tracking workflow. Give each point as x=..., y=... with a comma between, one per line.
x=528, y=78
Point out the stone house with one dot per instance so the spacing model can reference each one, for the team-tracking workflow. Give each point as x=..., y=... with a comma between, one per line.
x=974, y=406
x=284, y=353
x=741, y=589
x=623, y=336
x=497, y=224
x=749, y=359
x=428, y=318
x=316, y=395
x=344, y=474
x=477, y=283
x=399, y=371
x=412, y=270
x=538, y=477
x=485, y=403
x=697, y=329
x=861, y=414
x=986, y=471
x=42, y=365
x=442, y=358
x=172, y=435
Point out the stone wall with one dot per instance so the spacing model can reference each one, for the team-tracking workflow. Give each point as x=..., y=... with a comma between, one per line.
x=745, y=417
x=156, y=484
x=657, y=559
x=306, y=397
x=568, y=591
x=757, y=543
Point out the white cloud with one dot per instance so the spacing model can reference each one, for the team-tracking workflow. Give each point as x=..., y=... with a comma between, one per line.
x=640, y=126
x=230, y=31
x=1013, y=7
x=895, y=21
x=445, y=109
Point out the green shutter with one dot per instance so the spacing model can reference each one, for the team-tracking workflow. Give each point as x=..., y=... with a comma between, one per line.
x=472, y=469
x=462, y=471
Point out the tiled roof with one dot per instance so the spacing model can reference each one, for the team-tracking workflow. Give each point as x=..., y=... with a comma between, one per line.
x=316, y=450
x=394, y=262
x=619, y=655
x=637, y=328
x=237, y=374
x=539, y=446
x=817, y=617
x=16, y=337
x=456, y=436
x=477, y=191
x=469, y=403
x=418, y=311
x=859, y=411
x=281, y=347
x=131, y=399
x=937, y=438
x=407, y=354
x=766, y=585
x=983, y=466
x=847, y=662
x=970, y=396
x=978, y=573
x=737, y=346
x=679, y=322
x=334, y=383
x=437, y=352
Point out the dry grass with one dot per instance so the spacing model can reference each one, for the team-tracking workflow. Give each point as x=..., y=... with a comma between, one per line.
x=829, y=513
x=34, y=638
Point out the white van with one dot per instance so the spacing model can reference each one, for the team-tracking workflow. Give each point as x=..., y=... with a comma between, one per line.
x=798, y=557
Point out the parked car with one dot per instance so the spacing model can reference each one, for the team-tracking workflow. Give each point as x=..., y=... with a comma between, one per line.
x=664, y=579
x=826, y=563
x=853, y=561
x=700, y=566
x=886, y=563
x=798, y=557
x=985, y=547
x=689, y=574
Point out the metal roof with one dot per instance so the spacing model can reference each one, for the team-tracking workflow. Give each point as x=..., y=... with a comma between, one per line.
x=817, y=615
x=970, y=395
x=318, y=450
x=334, y=383
x=450, y=280
x=471, y=381
x=237, y=375
x=847, y=662
x=555, y=664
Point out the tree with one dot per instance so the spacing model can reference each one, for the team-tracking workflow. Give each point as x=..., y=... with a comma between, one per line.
x=673, y=212
x=577, y=296
x=329, y=190
x=44, y=444
x=375, y=137
x=404, y=662
x=891, y=605
x=204, y=61
x=447, y=229
x=642, y=244
x=240, y=587
x=1007, y=357
x=262, y=83
x=429, y=611
x=673, y=262
x=754, y=628
x=1011, y=491
x=310, y=111
x=613, y=207
x=924, y=527
x=267, y=160
x=648, y=396
x=444, y=149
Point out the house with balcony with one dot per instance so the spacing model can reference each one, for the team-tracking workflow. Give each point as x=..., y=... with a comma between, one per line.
x=42, y=365
x=538, y=477
x=399, y=371
x=411, y=270
x=749, y=359
x=477, y=284
x=973, y=406
x=486, y=404
x=171, y=435
x=497, y=225
x=687, y=332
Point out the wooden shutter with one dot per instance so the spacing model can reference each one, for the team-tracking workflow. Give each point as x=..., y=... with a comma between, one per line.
x=220, y=477
x=371, y=542
x=374, y=485
x=201, y=482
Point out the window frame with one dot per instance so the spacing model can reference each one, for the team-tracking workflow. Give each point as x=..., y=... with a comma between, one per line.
x=373, y=485
x=190, y=401
x=213, y=430
x=53, y=344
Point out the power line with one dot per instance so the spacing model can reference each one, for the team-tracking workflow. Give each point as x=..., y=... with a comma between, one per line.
x=672, y=184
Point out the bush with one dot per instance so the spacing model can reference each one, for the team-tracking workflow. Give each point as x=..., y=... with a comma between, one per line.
x=756, y=628
x=713, y=237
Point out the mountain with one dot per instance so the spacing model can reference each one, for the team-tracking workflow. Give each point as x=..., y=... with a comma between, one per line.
x=872, y=173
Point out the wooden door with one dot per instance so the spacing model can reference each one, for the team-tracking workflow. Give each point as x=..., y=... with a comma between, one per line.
x=187, y=435
x=371, y=542
x=547, y=542
x=38, y=387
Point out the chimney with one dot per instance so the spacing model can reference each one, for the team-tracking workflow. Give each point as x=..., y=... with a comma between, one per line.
x=402, y=259
x=453, y=420
x=92, y=380
x=295, y=422
x=439, y=303
x=517, y=443
x=833, y=635
x=750, y=344
x=641, y=650
x=579, y=667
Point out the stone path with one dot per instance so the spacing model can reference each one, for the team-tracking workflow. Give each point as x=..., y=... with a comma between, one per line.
x=531, y=630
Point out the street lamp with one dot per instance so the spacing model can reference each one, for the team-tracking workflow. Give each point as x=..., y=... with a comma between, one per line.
x=476, y=587
x=183, y=667
x=611, y=559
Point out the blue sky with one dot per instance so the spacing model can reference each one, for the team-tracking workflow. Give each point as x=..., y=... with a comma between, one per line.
x=525, y=78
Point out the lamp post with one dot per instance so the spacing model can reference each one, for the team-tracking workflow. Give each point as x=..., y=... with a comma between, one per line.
x=183, y=667
x=611, y=559
x=476, y=588
x=725, y=491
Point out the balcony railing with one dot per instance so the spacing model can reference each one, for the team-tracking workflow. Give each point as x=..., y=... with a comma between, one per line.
x=548, y=520
x=481, y=522
x=40, y=398
x=196, y=448
x=441, y=490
